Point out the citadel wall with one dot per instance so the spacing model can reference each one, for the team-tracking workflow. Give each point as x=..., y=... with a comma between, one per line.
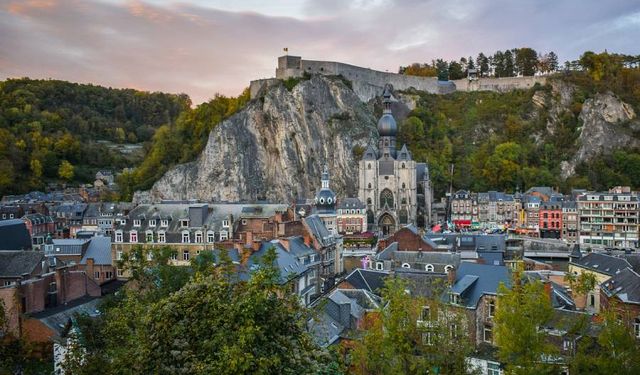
x=369, y=83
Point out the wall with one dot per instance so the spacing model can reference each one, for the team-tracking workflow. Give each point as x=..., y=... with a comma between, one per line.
x=369, y=83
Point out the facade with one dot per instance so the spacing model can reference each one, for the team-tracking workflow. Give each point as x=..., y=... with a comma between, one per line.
x=550, y=220
x=569, y=222
x=497, y=208
x=395, y=189
x=608, y=220
x=464, y=209
x=351, y=216
x=39, y=226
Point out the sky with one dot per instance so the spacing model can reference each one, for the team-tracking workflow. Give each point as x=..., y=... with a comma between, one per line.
x=203, y=47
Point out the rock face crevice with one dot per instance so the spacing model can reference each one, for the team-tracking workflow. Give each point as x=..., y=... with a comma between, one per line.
x=606, y=127
x=275, y=148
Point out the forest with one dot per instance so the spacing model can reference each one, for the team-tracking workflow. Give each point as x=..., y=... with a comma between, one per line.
x=489, y=137
x=49, y=130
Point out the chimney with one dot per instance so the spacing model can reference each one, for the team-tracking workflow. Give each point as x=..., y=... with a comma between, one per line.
x=307, y=238
x=249, y=238
x=285, y=243
x=90, y=263
x=451, y=275
x=278, y=217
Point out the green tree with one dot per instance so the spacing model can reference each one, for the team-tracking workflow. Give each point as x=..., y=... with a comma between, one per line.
x=552, y=61
x=526, y=61
x=482, y=62
x=521, y=312
x=66, y=171
x=502, y=169
x=456, y=70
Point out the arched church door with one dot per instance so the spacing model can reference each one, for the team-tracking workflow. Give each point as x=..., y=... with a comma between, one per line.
x=387, y=224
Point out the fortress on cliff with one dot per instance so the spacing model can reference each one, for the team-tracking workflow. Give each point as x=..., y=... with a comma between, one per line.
x=369, y=83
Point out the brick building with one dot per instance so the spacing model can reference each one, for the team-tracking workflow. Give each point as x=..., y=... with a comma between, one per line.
x=550, y=219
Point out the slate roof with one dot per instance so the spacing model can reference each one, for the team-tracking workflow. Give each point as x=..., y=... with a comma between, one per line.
x=545, y=190
x=418, y=259
x=37, y=218
x=560, y=297
x=475, y=280
x=370, y=153
x=634, y=261
x=615, y=197
x=67, y=246
x=14, y=235
x=58, y=318
x=319, y=230
x=625, y=285
x=602, y=263
x=16, y=263
x=370, y=280
x=354, y=203
x=422, y=284
x=289, y=264
x=99, y=249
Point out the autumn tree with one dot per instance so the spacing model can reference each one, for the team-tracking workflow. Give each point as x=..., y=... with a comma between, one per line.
x=521, y=312
x=66, y=171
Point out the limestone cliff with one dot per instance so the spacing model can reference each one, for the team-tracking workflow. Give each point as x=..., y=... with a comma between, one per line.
x=275, y=148
x=607, y=125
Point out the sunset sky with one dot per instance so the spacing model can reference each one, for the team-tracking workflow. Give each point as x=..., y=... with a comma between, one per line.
x=203, y=47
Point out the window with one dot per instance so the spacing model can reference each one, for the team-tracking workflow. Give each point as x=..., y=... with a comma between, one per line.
x=488, y=334
x=185, y=254
x=224, y=235
x=133, y=236
x=403, y=167
x=118, y=255
x=493, y=368
x=123, y=221
x=244, y=221
x=369, y=186
x=406, y=265
x=453, y=330
x=369, y=167
x=164, y=223
x=428, y=268
x=184, y=223
x=448, y=268
x=368, y=200
x=120, y=273
x=427, y=338
x=108, y=275
x=185, y=237
x=119, y=236
x=454, y=298
x=567, y=345
x=149, y=256
x=149, y=236
x=7, y=283
x=403, y=185
x=210, y=237
x=425, y=314
x=96, y=275
x=152, y=223
x=137, y=222
x=162, y=238
x=636, y=328
x=225, y=223
x=491, y=308
x=379, y=266
x=198, y=237
x=592, y=300
x=386, y=198
x=174, y=255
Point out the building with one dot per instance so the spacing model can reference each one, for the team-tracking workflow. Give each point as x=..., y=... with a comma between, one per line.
x=464, y=209
x=328, y=246
x=68, y=218
x=608, y=220
x=569, y=222
x=351, y=216
x=40, y=227
x=602, y=267
x=624, y=289
x=391, y=259
x=531, y=206
x=19, y=265
x=550, y=220
x=497, y=209
x=96, y=260
x=325, y=204
x=11, y=211
x=395, y=189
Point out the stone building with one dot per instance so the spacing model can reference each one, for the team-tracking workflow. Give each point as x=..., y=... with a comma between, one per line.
x=395, y=189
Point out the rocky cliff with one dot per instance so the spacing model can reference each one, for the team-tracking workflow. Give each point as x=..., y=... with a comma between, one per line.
x=275, y=148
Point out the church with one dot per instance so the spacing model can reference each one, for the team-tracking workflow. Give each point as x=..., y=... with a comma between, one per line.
x=395, y=189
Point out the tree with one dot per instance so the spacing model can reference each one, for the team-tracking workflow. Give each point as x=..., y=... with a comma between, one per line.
x=509, y=64
x=482, y=62
x=66, y=171
x=212, y=324
x=470, y=64
x=443, y=70
x=526, y=61
x=412, y=335
x=499, y=64
x=521, y=312
x=455, y=70
x=503, y=166
x=552, y=59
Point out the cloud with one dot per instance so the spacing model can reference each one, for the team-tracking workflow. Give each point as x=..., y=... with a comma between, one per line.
x=204, y=47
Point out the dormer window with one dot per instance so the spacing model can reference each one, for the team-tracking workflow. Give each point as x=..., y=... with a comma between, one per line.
x=184, y=223
x=210, y=237
x=152, y=223
x=123, y=221
x=164, y=223
x=429, y=268
x=225, y=223
x=454, y=298
x=185, y=237
x=137, y=222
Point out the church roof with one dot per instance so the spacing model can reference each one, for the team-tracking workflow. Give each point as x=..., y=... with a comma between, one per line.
x=370, y=154
x=404, y=153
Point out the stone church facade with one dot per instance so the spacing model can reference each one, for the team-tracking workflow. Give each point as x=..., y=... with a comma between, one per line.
x=395, y=189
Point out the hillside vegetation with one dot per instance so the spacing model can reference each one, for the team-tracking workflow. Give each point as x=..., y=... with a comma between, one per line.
x=49, y=129
x=502, y=140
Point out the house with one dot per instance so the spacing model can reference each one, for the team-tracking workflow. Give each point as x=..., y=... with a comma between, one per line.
x=602, y=267
x=68, y=218
x=14, y=235
x=18, y=265
x=351, y=216
x=65, y=251
x=391, y=259
x=369, y=280
x=474, y=288
x=40, y=227
x=550, y=220
x=298, y=265
x=106, y=177
x=341, y=314
x=96, y=260
x=329, y=247
x=409, y=239
x=622, y=294
x=11, y=211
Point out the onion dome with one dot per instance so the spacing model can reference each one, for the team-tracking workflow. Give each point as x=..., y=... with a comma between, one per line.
x=387, y=126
